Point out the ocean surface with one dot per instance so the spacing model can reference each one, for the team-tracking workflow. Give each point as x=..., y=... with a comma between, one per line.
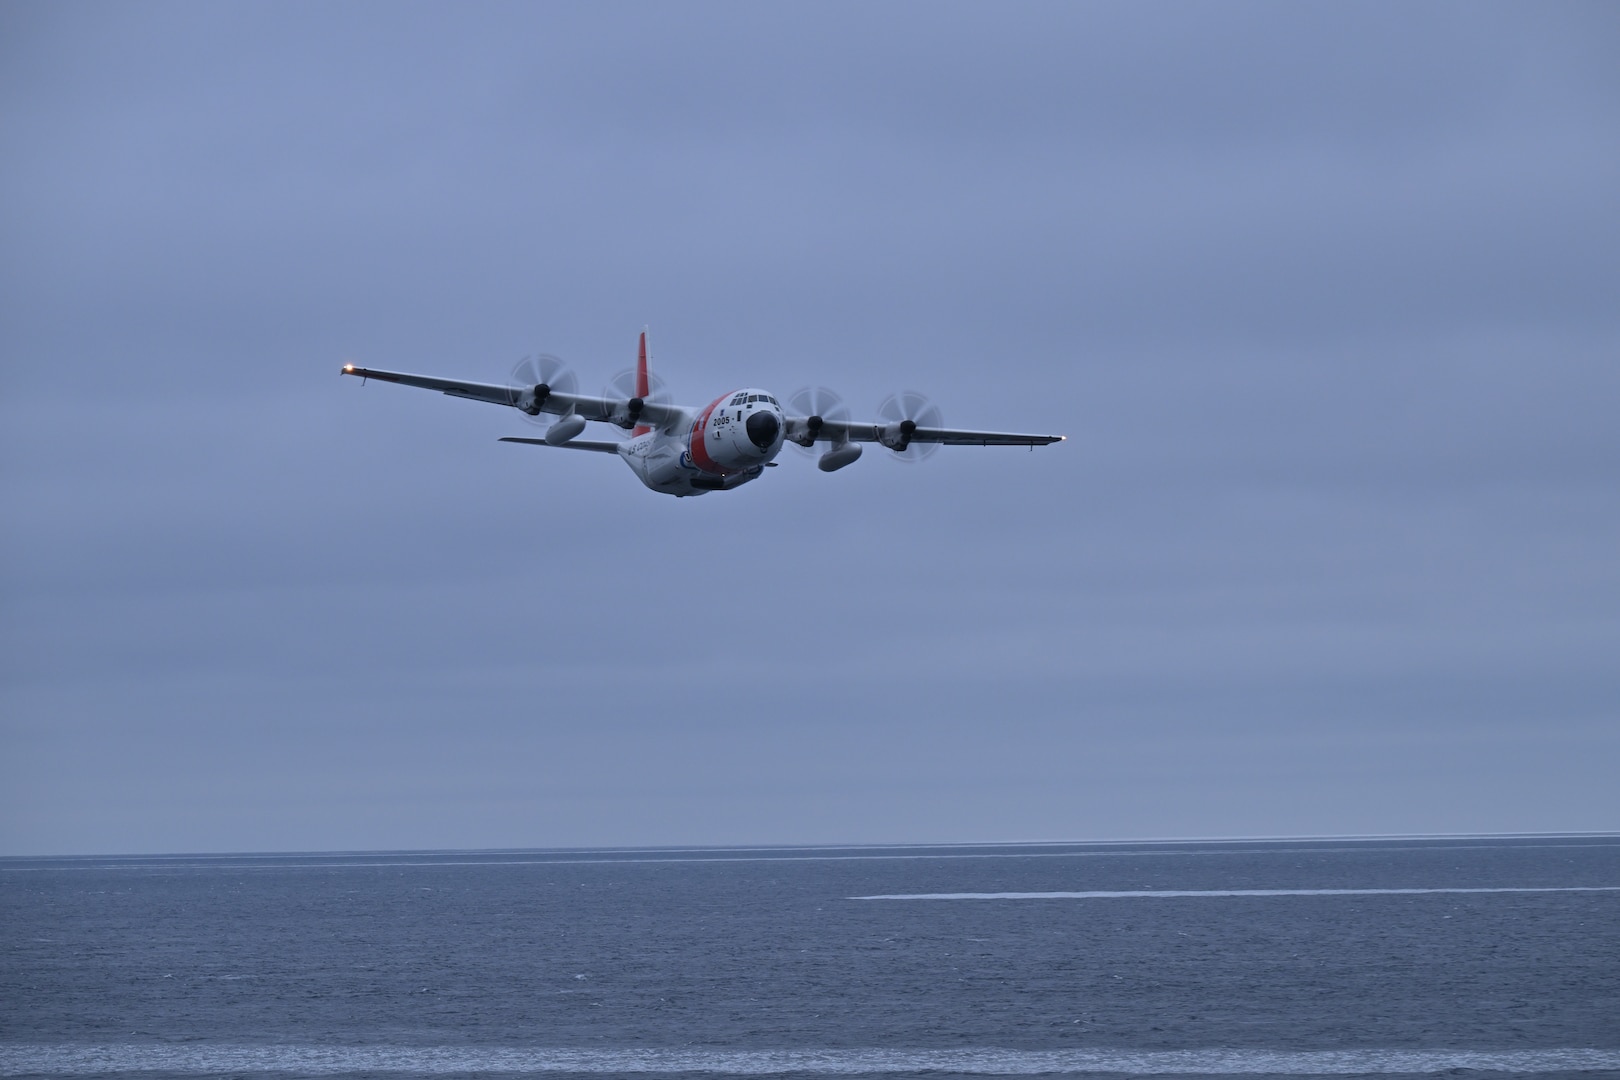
x=1464, y=957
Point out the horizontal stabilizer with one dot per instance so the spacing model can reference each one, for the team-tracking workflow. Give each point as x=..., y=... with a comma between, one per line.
x=606, y=446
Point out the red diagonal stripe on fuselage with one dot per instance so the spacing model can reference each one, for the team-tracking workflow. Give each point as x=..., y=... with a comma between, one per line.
x=695, y=448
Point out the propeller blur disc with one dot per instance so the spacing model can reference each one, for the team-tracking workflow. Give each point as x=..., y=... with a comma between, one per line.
x=622, y=387
x=543, y=370
x=816, y=401
x=913, y=406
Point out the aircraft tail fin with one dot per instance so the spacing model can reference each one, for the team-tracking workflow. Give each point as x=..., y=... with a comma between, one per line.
x=642, y=382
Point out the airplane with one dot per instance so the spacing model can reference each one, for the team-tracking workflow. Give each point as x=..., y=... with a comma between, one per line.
x=684, y=451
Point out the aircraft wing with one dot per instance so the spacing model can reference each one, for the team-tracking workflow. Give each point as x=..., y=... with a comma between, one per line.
x=896, y=435
x=959, y=437
x=609, y=410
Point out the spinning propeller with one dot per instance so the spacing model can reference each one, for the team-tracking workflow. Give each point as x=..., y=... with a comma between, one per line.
x=622, y=387
x=817, y=404
x=536, y=377
x=904, y=413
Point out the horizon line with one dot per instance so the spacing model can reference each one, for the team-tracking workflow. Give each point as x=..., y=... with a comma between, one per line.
x=675, y=849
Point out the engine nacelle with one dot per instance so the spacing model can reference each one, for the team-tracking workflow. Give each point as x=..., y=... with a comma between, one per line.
x=839, y=456
x=532, y=398
x=897, y=436
x=565, y=429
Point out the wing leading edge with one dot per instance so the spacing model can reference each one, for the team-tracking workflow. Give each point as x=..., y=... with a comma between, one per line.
x=556, y=402
x=838, y=431
x=893, y=435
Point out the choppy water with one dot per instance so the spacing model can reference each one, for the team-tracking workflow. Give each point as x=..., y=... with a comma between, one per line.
x=1496, y=957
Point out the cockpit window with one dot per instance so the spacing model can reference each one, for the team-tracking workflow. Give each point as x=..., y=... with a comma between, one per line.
x=752, y=398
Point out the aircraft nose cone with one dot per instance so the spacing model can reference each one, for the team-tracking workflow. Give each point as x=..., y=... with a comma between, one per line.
x=762, y=429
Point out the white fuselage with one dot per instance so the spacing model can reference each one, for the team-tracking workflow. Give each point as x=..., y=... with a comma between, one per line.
x=726, y=444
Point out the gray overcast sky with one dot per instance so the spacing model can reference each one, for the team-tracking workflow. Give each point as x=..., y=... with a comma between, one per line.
x=1327, y=298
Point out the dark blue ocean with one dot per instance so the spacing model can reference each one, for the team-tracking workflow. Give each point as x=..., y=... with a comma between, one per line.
x=1488, y=957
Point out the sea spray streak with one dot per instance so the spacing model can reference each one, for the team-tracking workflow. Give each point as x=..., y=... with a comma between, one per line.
x=432, y=1060
x=1173, y=894
x=399, y=965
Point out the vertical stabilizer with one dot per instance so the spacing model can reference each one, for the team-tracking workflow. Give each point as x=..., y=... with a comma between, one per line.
x=642, y=382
